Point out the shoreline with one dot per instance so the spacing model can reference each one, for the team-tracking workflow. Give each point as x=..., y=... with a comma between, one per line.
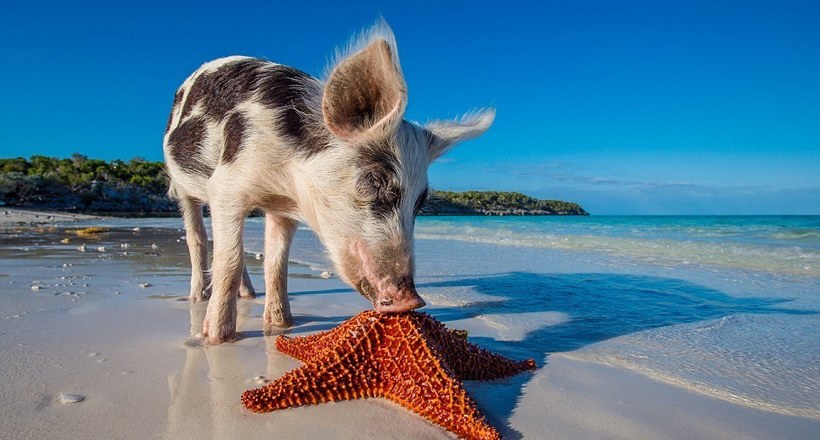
x=11, y=217
x=17, y=216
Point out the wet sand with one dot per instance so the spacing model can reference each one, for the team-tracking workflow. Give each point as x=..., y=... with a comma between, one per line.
x=18, y=217
x=110, y=327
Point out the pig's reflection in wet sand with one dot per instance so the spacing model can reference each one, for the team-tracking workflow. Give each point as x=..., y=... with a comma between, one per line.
x=187, y=386
x=204, y=393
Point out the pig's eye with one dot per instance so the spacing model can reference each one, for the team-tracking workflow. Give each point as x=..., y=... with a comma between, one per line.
x=382, y=192
x=370, y=185
x=420, y=201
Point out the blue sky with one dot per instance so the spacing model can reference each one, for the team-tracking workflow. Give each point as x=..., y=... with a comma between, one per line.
x=625, y=107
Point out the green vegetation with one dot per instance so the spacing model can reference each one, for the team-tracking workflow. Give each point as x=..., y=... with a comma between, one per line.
x=138, y=187
x=496, y=203
x=88, y=185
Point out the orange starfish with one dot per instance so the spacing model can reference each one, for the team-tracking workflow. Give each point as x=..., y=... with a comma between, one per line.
x=409, y=358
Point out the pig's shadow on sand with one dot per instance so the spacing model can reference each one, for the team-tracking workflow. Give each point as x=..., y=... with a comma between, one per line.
x=595, y=307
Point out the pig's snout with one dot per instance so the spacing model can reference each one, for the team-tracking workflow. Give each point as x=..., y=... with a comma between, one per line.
x=398, y=297
x=402, y=304
x=393, y=299
x=387, y=292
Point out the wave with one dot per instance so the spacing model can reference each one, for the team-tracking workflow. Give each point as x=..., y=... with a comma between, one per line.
x=798, y=235
x=690, y=249
x=757, y=361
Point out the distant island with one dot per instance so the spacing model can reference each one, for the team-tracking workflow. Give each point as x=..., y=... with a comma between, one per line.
x=138, y=188
x=495, y=203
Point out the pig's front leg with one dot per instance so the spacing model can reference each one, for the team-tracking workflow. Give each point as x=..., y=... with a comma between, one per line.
x=226, y=274
x=278, y=235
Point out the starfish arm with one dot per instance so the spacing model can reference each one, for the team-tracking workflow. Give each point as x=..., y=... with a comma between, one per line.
x=471, y=362
x=442, y=400
x=304, y=348
x=468, y=361
x=416, y=378
x=310, y=384
x=317, y=346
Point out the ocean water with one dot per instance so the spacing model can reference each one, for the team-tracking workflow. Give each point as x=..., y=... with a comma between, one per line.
x=725, y=306
x=774, y=244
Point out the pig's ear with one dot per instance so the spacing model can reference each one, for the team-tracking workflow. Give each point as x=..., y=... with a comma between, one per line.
x=365, y=92
x=442, y=135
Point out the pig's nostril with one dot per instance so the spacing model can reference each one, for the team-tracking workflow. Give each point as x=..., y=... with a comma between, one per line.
x=386, y=302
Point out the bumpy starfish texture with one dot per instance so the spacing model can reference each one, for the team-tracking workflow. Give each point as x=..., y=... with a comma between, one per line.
x=409, y=358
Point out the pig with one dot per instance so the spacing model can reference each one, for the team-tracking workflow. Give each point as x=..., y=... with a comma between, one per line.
x=335, y=154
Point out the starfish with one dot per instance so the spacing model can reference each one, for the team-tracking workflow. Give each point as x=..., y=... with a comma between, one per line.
x=409, y=358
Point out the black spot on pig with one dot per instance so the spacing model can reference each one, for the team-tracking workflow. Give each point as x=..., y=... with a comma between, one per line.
x=378, y=184
x=280, y=88
x=234, y=135
x=222, y=90
x=185, y=144
x=196, y=93
x=177, y=99
x=287, y=90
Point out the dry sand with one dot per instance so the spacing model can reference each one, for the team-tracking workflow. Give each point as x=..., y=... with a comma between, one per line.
x=90, y=334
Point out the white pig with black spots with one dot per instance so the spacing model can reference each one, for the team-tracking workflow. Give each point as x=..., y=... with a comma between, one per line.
x=333, y=153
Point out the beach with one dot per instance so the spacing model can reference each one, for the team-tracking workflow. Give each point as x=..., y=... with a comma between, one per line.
x=16, y=217
x=640, y=328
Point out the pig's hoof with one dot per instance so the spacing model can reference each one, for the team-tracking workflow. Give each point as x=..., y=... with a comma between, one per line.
x=217, y=334
x=246, y=290
x=198, y=295
x=276, y=328
x=247, y=293
x=274, y=321
x=200, y=289
x=273, y=330
x=216, y=338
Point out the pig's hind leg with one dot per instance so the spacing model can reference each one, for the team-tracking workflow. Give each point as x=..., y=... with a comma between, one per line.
x=197, y=240
x=278, y=236
x=246, y=290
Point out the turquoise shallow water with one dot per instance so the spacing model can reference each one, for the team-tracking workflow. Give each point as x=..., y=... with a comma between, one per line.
x=726, y=306
x=775, y=244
